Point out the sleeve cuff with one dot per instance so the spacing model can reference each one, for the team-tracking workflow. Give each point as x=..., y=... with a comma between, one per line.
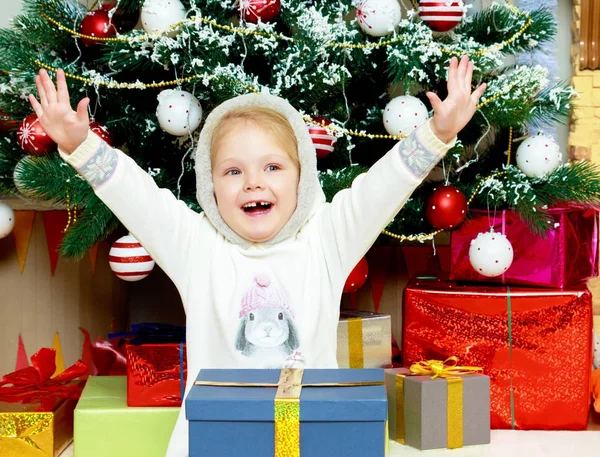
x=432, y=142
x=83, y=153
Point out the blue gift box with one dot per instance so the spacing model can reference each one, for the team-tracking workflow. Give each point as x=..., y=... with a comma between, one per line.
x=233, y=421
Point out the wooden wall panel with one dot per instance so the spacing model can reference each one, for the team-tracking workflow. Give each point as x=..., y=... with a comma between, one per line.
x=36, y=304
x=589, y=35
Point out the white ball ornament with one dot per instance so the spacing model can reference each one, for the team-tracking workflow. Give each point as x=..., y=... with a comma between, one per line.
x=538, y=156
x=7, y=219
x=160, y=15
x=404, y=114
x=378, y=17
x=491, y=254
x=129, y=260
x=178, y=112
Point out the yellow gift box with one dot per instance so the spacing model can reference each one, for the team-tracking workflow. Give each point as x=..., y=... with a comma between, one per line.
x=25, y=432
x=364, y=340
x=36, y=407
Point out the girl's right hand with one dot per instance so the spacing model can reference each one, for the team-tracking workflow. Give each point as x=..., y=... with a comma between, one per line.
x=66, y=127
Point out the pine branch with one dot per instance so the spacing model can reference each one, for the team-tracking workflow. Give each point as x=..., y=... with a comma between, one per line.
x=10, y=153
x=577, y=182
x=492, y=26
x=49, y=178
x=333, y=181
x=524, y=98
x=92, y=226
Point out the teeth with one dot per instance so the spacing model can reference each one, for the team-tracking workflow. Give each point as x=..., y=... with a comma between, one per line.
x=253, y=204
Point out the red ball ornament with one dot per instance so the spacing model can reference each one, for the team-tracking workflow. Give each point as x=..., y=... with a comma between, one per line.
x=124, y=21
x=32, y=137
x=322, y=138
x=357, y=277
x=441, y=15
x=446, y=208
x=129, y=260
x=102, y=132
x=265, y=10
x=97, y=24
x=7, y=124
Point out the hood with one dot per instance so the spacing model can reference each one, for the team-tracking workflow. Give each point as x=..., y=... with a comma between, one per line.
x=309, y=189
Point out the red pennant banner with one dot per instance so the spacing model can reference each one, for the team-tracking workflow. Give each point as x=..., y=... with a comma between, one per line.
x=353, y=300
x=93, y=251
x=54, y=225
x=87, y=355
x=22, y=234
x=444, y=255
x=420, y=260
x=22, y=359
x=378, y=258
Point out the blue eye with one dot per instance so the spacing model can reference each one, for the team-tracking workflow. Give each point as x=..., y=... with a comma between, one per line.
x=233, y=172
x=272, y=168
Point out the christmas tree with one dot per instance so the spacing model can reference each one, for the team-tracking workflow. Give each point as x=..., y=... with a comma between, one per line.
x=358, y=71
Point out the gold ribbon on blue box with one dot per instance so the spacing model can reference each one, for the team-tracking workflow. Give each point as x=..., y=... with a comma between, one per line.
x=287, y=405
x=453, y=375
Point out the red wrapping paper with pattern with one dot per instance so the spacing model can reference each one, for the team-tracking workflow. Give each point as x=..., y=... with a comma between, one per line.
x=567, y=255
x=549, y=367
x=154, y=374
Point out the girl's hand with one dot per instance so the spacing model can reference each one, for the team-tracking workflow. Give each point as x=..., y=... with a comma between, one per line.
x=452, y=114
x=66, y=127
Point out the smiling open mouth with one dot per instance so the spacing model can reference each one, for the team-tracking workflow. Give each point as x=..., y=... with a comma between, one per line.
x=257, y=208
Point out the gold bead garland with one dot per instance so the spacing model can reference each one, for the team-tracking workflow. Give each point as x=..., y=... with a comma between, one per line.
x=335, y=128
x=138, y=85
x=143, y=86
x=71, y=212
x=509, y=151
x=242, y=31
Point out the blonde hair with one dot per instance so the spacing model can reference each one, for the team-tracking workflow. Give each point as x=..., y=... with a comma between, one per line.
x=273, y=122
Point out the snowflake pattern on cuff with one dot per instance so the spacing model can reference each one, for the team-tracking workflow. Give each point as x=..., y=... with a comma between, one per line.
x=101, y=166
x=417, y=157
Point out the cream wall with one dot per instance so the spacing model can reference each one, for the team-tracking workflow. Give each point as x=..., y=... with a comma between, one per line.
x=9, y=9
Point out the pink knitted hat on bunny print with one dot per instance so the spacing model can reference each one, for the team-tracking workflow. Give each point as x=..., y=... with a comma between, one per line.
x=263, y=295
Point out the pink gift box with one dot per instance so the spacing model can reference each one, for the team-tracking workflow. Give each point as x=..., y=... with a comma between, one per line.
x=567, y=255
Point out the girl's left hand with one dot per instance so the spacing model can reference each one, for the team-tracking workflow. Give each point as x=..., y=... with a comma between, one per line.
x=452, y=114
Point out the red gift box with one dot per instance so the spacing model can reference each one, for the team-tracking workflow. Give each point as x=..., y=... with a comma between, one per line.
x=567, y=255
x=538, y=360
x=156, y=374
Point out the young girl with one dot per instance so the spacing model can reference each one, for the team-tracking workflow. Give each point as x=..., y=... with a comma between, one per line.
x=261, y=270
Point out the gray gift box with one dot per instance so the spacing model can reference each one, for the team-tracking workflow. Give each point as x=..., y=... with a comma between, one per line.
x=425, y=405
x=364, y=340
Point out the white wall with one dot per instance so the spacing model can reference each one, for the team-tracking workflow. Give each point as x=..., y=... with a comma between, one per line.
x=564, y=40
x=9, y=9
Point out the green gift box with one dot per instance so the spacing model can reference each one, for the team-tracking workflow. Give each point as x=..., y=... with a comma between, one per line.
x=105, y=426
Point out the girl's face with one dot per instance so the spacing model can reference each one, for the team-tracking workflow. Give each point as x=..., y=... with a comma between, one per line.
x=255, y=182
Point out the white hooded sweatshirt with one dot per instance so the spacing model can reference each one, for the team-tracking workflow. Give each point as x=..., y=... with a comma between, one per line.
x=273, y=304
